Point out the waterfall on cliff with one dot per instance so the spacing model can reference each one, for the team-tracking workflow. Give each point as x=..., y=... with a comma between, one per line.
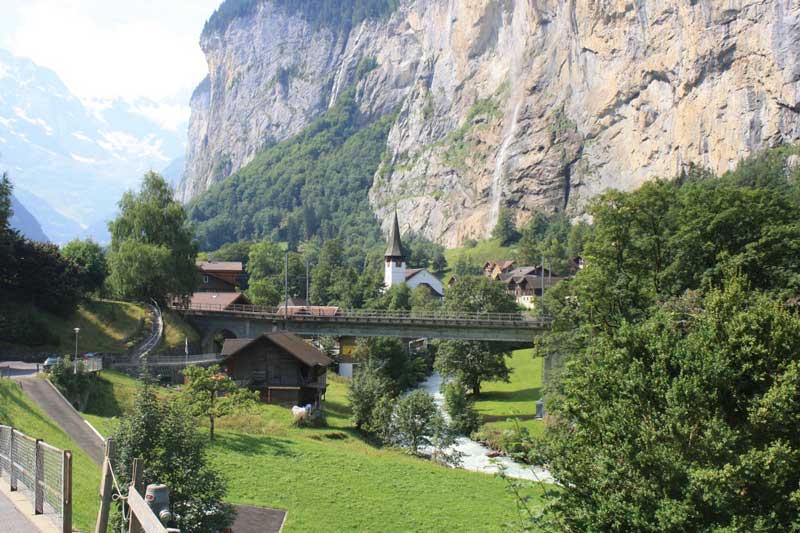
x=499, y=167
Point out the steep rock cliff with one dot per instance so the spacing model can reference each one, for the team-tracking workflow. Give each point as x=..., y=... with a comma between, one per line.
x=532, y=104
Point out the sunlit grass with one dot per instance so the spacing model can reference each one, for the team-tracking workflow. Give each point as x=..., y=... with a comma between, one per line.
x=18, y=411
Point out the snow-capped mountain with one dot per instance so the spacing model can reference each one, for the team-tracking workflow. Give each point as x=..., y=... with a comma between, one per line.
x=76, y=157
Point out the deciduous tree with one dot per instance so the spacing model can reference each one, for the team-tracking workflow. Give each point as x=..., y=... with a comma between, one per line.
x=211, y=394
x=157, y=223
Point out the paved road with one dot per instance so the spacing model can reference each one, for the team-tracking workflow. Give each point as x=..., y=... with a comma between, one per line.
x=18, y=369
x=43, y=394
x=249, y=519
x=12, y=520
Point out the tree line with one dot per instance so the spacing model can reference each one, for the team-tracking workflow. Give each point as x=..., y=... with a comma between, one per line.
x=675, y=389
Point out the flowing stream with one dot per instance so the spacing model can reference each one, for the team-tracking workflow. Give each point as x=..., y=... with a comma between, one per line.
x=474, y=455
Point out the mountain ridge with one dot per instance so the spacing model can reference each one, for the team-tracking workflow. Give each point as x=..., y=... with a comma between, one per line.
x=530, y=105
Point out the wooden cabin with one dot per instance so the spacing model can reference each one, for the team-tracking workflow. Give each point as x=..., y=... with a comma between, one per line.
x=220, y=276
x=281, y=366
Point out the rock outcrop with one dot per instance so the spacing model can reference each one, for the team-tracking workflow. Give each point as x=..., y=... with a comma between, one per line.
x=531, y=104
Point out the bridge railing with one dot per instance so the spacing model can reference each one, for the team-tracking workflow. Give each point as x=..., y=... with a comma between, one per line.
x=312, y=312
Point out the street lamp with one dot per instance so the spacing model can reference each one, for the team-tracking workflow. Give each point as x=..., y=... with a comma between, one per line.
x=75, y=360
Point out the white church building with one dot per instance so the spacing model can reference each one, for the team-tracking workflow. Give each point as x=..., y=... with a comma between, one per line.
x=396, y=270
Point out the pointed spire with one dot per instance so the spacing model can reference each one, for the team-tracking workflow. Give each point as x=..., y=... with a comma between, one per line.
x=395, y=249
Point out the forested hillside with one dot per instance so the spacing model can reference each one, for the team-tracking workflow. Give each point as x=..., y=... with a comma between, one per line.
x=334, y=14
x=311, y=187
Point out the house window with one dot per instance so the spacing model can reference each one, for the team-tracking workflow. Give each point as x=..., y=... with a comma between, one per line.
x=205, y=279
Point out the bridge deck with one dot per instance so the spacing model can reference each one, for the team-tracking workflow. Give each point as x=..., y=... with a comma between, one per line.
x=246, y=321
x=327, y=314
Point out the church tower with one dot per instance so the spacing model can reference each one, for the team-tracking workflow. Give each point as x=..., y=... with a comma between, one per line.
x=394, y=270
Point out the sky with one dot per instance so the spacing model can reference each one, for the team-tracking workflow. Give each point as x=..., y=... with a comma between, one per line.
x=106, y=49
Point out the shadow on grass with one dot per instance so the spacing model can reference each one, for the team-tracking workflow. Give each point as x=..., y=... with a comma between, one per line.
x=523, y=395
x=503, y=418
x=337, y=409
x=250, y=445
x=102, y=401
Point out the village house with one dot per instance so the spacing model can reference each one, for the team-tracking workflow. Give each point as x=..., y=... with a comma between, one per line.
x=495, y=269
x=281, y=366
x=220, y=276
x=396, y=271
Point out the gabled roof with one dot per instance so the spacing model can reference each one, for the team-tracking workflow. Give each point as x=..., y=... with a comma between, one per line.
x=222, y=299
x=220, y=266
x=395, y=248
x=303, y=351
x=411, y=272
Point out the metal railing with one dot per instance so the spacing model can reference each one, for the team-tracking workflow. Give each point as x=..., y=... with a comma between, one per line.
x=366, y=315
x=40, y=471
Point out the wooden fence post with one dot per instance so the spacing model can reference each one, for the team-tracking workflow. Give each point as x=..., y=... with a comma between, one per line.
x=66, y=502
x=137, y=484
x=106, y=488
x=38, y=476
x=11, y=460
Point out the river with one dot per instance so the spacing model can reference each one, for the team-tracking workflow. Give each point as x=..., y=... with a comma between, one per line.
x=474, y=455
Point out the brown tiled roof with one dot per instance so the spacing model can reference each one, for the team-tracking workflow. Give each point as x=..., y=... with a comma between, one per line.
x=231, y=346
x=220, y=266
x=411, y=272
x=223, y=299
x=290, y=342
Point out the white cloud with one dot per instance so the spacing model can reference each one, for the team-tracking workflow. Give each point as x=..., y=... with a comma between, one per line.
x=7, y=121
x=80, y=159
x=123, y=145
x=81, y=136
x=4, y=70
x=113, y=48
x=169, y=116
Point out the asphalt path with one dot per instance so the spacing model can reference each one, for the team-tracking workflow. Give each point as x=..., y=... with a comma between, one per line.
x=11, y=519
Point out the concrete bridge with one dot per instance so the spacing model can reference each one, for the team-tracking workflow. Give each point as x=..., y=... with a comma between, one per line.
x=249, y=321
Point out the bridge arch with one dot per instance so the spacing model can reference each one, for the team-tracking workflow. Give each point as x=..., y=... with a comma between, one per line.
x=215, y=338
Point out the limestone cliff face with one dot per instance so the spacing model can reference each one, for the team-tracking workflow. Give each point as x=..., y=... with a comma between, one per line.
x=531, y=104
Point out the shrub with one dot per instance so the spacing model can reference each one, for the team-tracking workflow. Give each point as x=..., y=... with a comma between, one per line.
x=463, y=417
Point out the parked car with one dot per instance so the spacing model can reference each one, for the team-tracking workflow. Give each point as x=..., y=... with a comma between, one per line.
x=50, y=361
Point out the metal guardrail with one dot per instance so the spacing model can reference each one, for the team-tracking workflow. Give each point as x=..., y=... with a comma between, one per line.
x=366, y=315
x=40, y=471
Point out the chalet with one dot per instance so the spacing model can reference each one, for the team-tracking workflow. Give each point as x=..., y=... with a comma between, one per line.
x=280, y=365
x=220, y=276
x=495, y=269
x=396, y=271
x=528, y=289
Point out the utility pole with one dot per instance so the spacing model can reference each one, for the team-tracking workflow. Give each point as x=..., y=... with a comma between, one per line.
x=75, y=360
x=286, y=290
x=307, y=300
x=541, y=273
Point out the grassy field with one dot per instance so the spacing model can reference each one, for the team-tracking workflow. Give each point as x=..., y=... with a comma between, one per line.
x=176, y=331
x=500, y=401
x=331, y=479
x=488, y=250
x=104, y=325
x=18, y=411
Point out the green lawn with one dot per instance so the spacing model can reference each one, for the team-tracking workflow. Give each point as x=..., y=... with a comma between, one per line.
x=331, y=479
x=18, y=411
x=488, y=250
x=105, y=326
x=176, y=331
x=500, y=401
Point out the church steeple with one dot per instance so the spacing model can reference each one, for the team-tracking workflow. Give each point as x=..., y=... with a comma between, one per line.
x=394, y=269
x=395, y=249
